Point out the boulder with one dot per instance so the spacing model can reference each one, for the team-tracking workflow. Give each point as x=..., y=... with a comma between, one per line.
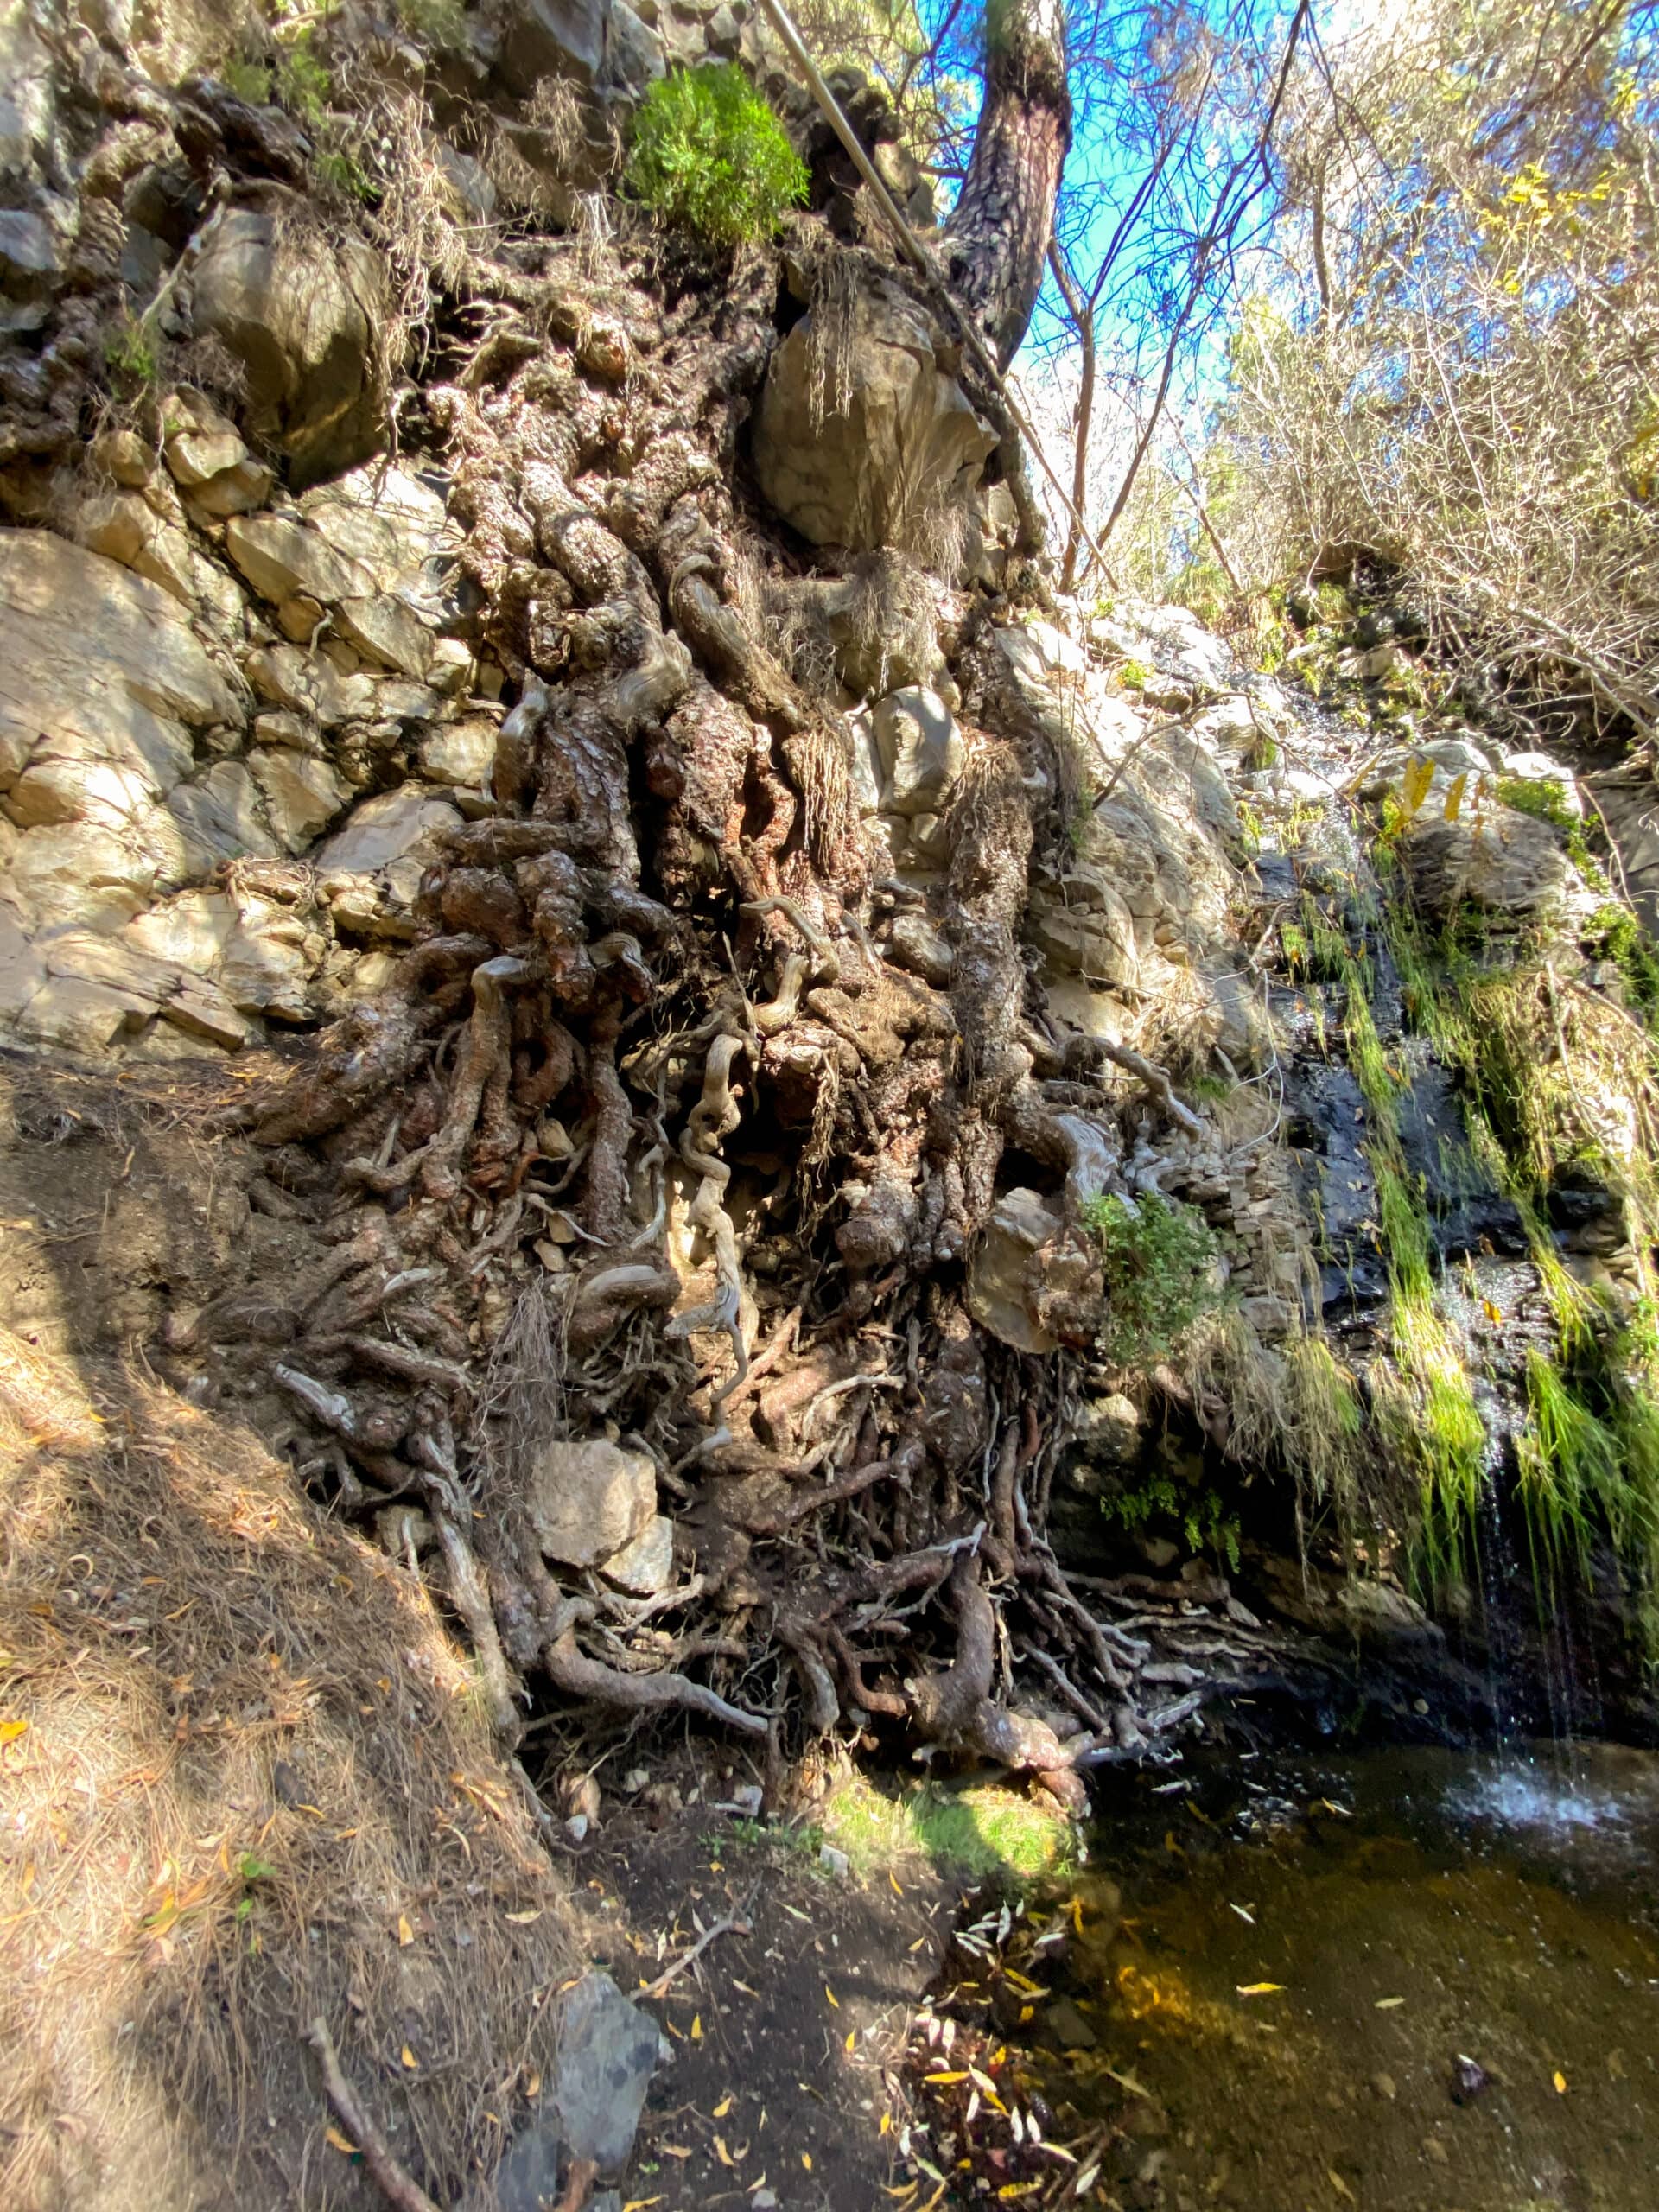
x=303, y=314
x=384, y=519
x=553, y=38
x=81, y=1017
x=150, y=985
x=1096, y=941
x=1506, y=862
x=218, y=472
x=904, y=444
x=191, y=930
x=267, y=967
x=384, y=630
x=588, y=1501
x=921, y=749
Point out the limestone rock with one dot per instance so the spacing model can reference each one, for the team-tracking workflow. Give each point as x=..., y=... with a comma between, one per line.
x=309, y=683
x=150, y=985
x=83, y=872
x=385, y=519
x=905, y=443
x=999, y=1286
x=302, y=314
x=1096, y=941
x=100, y=670
x=921, y=748
x=28, y=254
x=553, y=38
x=646, y=1566
x=460, y=753
x=221, y=818
x=384, y=630
x=385, y=830
x=79, y=1017
x=589, y=1501
x=191, y=930
x=281, y=557
x=22, y=969
x=266, y=968
x=1448, y=756
x=302, y=795
x=914, y=944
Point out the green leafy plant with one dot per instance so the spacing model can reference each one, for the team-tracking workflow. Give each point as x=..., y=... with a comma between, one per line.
x=250, y=1871
x=709, y=154
x=1158, y=1258
x=303, y=82
x=1614, y=934
x=1202, y=1515
x=440, y=24
x=129, y=354
x=1134, y=675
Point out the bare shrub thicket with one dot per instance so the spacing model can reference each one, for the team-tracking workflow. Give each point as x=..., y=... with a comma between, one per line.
x=1455, y=375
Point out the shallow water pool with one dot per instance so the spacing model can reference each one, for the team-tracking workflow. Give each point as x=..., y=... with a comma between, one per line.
x=1414, y=1981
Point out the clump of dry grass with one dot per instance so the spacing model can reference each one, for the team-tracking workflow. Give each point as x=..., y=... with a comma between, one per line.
x=248, y=1779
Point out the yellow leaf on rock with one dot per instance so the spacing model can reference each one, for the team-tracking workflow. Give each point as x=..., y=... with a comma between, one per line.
x=1414, y=783
x=1454, y=796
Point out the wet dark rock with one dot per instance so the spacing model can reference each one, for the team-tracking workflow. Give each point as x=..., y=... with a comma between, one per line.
x=1469, y=2079
x=608, y=2053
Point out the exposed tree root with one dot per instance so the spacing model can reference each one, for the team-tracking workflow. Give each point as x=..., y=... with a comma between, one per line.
x=649, y=1077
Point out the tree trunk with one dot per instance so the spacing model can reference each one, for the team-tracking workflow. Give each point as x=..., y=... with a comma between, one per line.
x=997, y=237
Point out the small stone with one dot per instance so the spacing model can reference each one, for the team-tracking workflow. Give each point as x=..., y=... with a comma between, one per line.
x=636, y=1779
x=1383, y=2084
x=1469, y=2079
x=1436, y=2152
x=834, y=1862
x=646, y=1566
x=589, y=1501
x=914, y=944
x=1068, y=2027
x=576, y=1827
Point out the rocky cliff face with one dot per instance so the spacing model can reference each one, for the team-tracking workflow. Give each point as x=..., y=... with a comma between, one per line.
x=759, y=1019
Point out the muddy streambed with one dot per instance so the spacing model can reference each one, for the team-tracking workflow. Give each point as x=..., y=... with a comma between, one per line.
x=1418, y=1980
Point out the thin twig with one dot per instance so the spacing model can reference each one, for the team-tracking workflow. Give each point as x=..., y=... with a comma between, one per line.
x=736, y=1924
x=395, y=2183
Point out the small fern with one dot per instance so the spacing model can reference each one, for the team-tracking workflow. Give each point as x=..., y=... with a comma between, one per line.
x=709, y=154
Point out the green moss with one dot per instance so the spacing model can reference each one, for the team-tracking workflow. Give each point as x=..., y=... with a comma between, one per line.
x=1158, y=1259
x=1612, y=933
x=1545, y=798
x=440, y=25
x=249, y=79
x=979, y=1831
x=710, y=155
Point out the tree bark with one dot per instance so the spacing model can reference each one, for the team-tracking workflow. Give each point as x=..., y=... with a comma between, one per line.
x=997, y=237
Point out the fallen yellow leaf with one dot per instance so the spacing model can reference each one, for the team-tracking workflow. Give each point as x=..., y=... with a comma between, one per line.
x=721, y=2152
x=11, y=1730
x=696, y=2027
x=674, y=2150
x=1258, y=1989
x=723, y=2106
x=893, y=1879
x=524, y=1919
x=1560, y=2080
x=852, y=2037
x=409, y=2058
x=1389, y=2003
x=405, y=1933
x=831, y=1995
x=640, y=2204
x=806, y=2160
x=339, y=2142
x=1339, y=2185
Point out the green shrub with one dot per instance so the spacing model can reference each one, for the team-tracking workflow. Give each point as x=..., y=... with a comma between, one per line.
x=1158, y=1258
x=1134, y=675
x=1615, y=934
x=710, y=155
